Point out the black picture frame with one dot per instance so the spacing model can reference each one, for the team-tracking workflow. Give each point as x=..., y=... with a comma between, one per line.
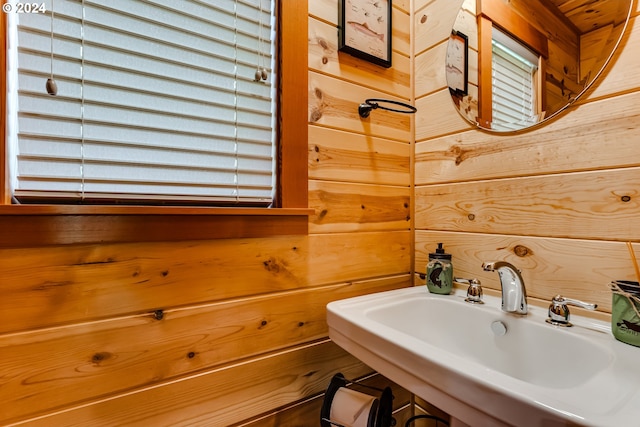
x=365, y=30
x=457, y=63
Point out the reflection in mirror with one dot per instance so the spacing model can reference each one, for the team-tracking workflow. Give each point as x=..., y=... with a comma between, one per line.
x=524, y=61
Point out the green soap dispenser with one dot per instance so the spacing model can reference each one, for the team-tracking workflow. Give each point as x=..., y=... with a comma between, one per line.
x=440, y=272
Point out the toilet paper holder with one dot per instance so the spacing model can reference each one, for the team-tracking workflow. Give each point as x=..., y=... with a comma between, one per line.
x=347, y=407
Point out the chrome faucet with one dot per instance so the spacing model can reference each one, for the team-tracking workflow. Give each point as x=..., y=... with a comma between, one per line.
x=514, y=294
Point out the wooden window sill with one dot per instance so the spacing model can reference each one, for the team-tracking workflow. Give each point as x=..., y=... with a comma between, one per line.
x=45, y=225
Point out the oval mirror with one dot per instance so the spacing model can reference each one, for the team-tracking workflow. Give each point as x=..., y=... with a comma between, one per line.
x=511, y=64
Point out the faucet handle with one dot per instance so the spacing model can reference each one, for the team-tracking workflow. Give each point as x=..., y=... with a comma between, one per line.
x=559, y=310
x=474, y=291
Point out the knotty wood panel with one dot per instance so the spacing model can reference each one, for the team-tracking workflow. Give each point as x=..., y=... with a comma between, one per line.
x=324, y=57
x=52, y=286
x=574, y=268
x=344, y=156
x=574, y=143
x=430, y=70
x=335, y=103
x=93, y=359
x=218, y=397
x=590, y=205
x=433, y=23
x=401, y=27
x=438, y=116
x=344, y=207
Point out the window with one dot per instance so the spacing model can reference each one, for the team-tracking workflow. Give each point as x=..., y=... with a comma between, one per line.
x=514, y=82
x=29, y=225
x=156, y=101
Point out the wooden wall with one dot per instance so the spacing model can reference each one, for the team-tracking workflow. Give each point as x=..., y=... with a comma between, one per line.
x=223, y=332
x=232, y=332
x=559, y=202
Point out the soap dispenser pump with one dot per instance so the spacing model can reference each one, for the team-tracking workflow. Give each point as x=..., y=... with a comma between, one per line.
x=440, y=272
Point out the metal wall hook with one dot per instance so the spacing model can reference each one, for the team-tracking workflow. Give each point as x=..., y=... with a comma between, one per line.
x=365, y=108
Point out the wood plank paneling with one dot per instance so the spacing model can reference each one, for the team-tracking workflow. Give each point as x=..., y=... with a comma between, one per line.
x=600, y=205
x=348, y=157
x=324, y=58
x=558, y=201
x=573, y=143
x=334, y=103
x=433, y=23
x=101, y=358
x=241, y=333
x=575, y=268
x=342, y=207
x=438, y=116
x=218, y=397
x=77, y=284
x=429, y=72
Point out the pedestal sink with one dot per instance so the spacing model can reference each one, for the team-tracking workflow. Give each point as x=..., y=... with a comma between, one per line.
x=489, y=368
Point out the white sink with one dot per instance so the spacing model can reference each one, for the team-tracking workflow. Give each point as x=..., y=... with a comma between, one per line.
x=445, y=350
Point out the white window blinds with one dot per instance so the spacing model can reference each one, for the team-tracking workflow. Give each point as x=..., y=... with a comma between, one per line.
x=513, y=88
x=157, y=100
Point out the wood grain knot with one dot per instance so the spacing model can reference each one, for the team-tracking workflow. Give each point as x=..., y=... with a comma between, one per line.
x=315, y=115
x=191, y=354
x=457, y=153
x=273, y=265
x=97, y=358
x=323, y=43
x=625, y=198
x=521, y=251
x=423, y=19
x=471, y=217
x=325, y=60
x=158, y=314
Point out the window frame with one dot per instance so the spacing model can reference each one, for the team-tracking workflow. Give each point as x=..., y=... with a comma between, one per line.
x=43, y=225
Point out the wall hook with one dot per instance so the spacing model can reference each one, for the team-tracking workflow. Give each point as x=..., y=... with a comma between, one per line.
x=365, y=108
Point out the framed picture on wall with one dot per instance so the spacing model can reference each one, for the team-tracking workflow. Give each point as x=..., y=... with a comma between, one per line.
x=457, y=68
x=365, y=30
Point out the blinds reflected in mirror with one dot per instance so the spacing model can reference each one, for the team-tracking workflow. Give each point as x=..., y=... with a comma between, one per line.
x=156, y=101
x=514, y=87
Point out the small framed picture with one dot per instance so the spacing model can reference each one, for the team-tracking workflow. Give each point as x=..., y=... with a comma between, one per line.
x=365, y=30
x=457, y=69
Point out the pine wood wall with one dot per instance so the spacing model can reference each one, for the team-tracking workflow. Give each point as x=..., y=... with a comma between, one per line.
x=558, y=202
x=222, y=332
x=232, y=332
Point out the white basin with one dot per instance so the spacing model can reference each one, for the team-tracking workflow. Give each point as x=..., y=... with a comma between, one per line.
x=445, y=350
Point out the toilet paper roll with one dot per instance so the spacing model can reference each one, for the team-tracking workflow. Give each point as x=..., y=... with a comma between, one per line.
x=351, y=408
